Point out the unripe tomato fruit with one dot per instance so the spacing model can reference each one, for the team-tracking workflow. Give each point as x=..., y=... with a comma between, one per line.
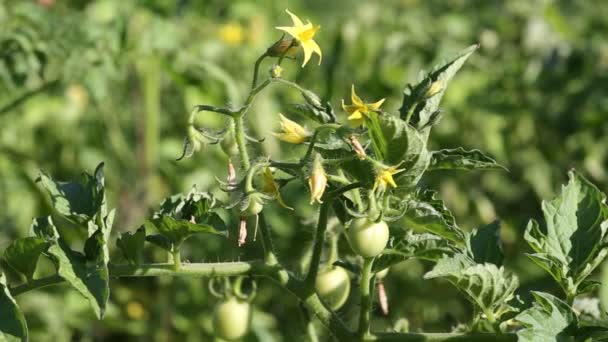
x=229, y=146
x=333, y=286
x=367, y=238
x=255, y=205
x=231, y=319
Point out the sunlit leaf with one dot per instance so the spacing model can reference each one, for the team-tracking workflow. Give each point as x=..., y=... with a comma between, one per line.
x=573, y=242
x=407, y=245
x=547, y=320
x=461, y=159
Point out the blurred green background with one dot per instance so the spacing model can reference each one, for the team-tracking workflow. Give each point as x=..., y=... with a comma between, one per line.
x=89, y=81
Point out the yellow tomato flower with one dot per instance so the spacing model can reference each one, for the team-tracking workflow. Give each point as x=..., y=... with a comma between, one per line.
x=358, y=109
x=385, y=177
x=304, y=34
x=317, y=181
x=231, y=33
x=292, y=132
x=271, y=187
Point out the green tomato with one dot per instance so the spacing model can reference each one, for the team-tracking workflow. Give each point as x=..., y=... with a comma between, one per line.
x=229, y=146
x=367, y=238
x=231, y=319
x=333, y=286
x=255, y=204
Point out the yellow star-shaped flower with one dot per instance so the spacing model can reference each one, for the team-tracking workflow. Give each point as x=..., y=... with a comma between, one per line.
x=358, y=109
x=304, y=33
x=292, y=132
x=384, y=177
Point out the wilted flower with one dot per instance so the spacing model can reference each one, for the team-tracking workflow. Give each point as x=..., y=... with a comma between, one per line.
x=271, y=187
x=384, y=177
x=359, y=150
x=358, y=109
x=242, y=231
x=304, y=34
x=292, y=132
x=317, y=181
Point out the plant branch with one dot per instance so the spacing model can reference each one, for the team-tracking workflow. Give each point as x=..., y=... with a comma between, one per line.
x=256, y=268
x=318, y=244
x=366, y=298
x=240, y=141
x=256, y=69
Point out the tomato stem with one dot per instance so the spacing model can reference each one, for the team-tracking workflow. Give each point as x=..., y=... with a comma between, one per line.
x=366, y=298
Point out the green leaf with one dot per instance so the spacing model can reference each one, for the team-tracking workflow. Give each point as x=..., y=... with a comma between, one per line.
x=88, y=273
x=547, y=320
x=573, y=243
x=22, y=254
x=132, y=245
x=460, y=159
x=79, y=201
x=179, y=230
x=423, y=109
x=483, y=244
x=407, y=245
x=427, y=212
x=13, y=327
x=87, y=278
x=487, y=286
x=160, y=241
x=196, y=206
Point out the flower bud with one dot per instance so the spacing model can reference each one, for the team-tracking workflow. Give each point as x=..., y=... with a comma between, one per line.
x=317, y=181
x=275, y=71
x=435, y=87
x=283, y=47
x=291, y=131
x=312, y=98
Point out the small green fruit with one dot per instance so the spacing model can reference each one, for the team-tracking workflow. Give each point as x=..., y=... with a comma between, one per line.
x=231, y=319
x=367, y=238
x=333, y=286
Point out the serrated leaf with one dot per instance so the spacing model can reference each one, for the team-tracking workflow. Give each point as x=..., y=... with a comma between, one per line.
x=487, y=286
x=573, y=242
x=426, y=211
x=547, y=320
x=22, y=254
x=407, y=245
x=484, y=245
x=179, y=230
x=423, y=108
x=132, y=245
x=460, y=159
x=78, y=201
x=397, y=143
x=87, y=278
x=160, y=241
x=13, y=327
x=88, y=274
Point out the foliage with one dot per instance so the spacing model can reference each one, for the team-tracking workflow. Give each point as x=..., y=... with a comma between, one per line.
x=123, y=82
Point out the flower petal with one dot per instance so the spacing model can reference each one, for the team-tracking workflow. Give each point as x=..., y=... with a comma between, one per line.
x=355, y=99
x=307, y=53
x=356, y=115
x=294, y=32
x=314, y=47
x=376, y=105
x=296, y=21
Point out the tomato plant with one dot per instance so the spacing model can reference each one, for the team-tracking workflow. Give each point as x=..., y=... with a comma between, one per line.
x=362, y=165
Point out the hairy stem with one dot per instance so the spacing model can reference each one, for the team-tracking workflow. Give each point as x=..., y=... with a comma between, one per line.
x=177, y=259
x=240, y=141
x=318, y=244
x=366, y=298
